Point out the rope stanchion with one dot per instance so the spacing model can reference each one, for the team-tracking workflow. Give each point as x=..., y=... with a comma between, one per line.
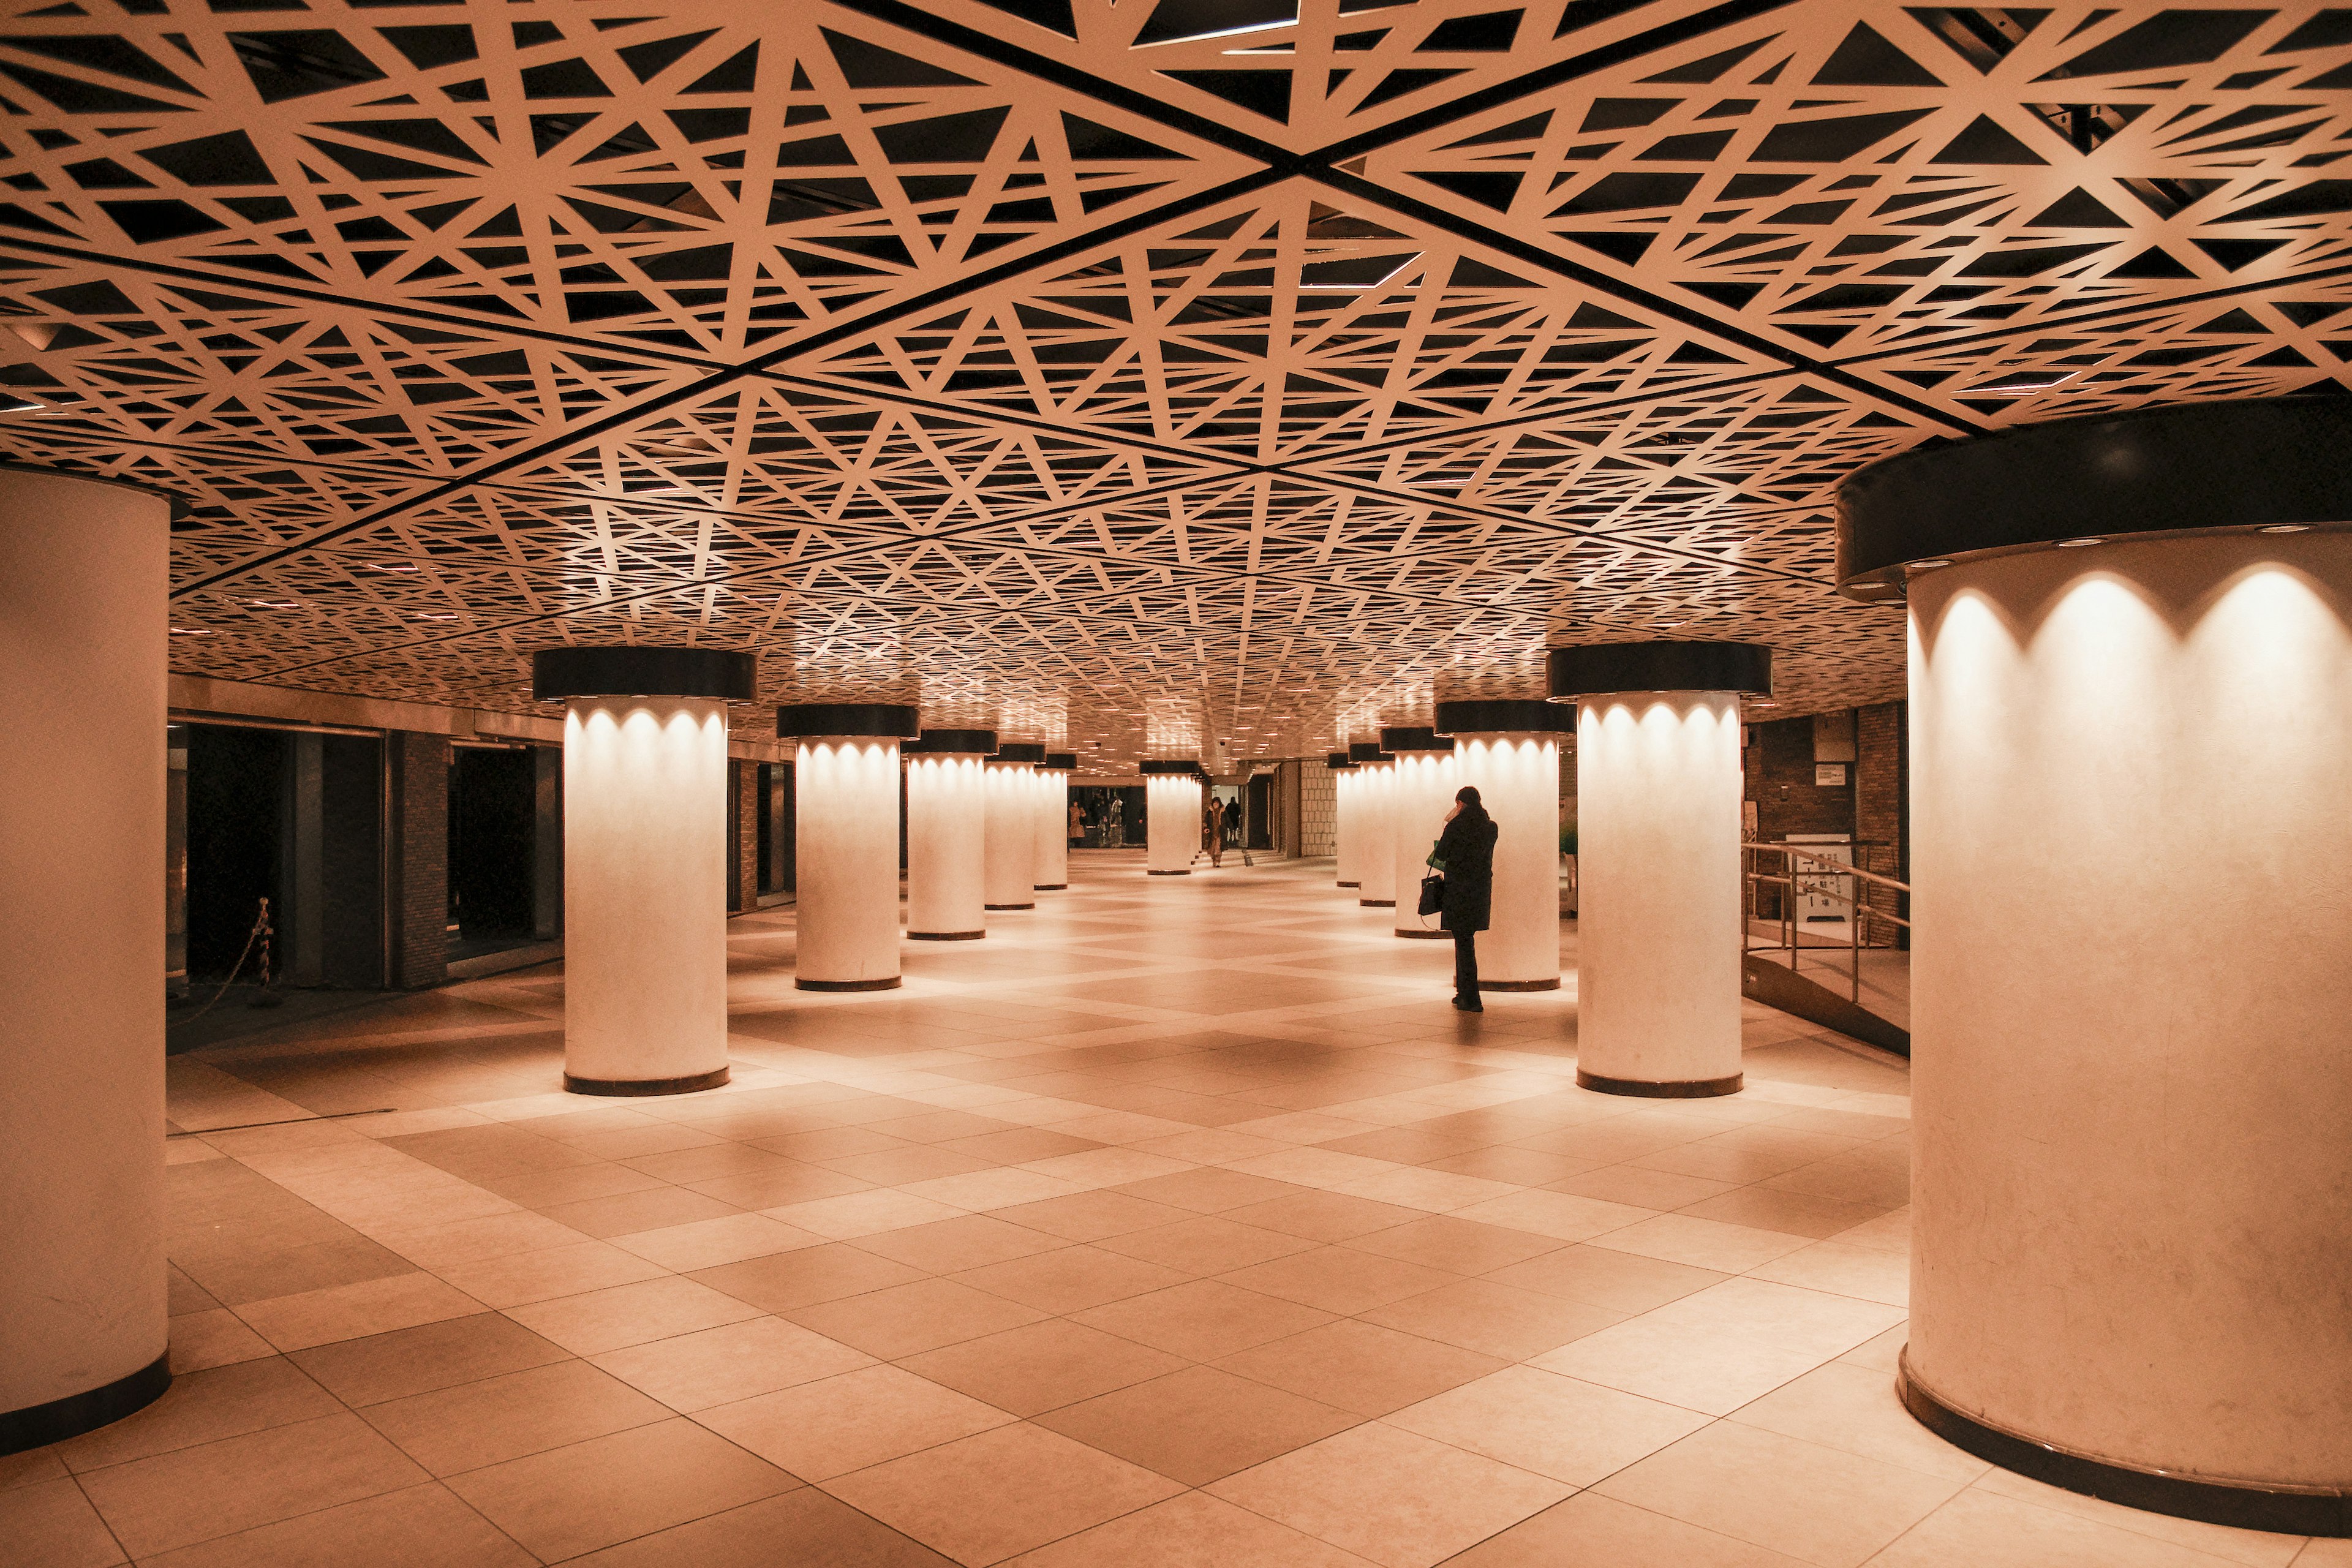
x=268, y=996
x=260, y=930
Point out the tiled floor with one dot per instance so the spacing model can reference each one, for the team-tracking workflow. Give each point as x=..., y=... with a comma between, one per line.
x=1179, y=1222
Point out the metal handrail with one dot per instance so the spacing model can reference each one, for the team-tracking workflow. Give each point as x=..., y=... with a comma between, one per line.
x=1826, y=865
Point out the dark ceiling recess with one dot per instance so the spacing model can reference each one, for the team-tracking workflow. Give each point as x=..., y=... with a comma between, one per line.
x=1127, y=375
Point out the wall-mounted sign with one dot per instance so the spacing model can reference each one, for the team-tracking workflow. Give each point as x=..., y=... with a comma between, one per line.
x=1826, y=775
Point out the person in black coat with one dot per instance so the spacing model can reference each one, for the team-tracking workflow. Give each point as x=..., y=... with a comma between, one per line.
x=1465, y=857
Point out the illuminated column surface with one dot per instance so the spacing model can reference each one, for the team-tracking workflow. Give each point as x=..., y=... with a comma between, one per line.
x=1171, y=800
x=1658, y=926
x=1375, y=825
x=1347, y=840
x=1053, y=790
x=2131, y=842
x=83, y=586
x=1013, y=825
x=1422, y=783
x=645, y=862
x=845, y=840
x=947, y=835
x=1510, y=750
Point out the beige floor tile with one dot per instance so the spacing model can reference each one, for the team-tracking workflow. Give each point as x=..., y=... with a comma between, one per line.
x=1428, y=1188
x=733, y=1361
x=570, y=1184
x=984, y=1498
x=542, y=1275
x=709, y=1243
x=1771, y=1208
x=1197, y=1424
x=908, y=1319
x=837, y=1424
x=350, y=1311
x=1821, y=1505
x=1500, y=1321
x=417, y=1527
x=1985, y=1530
x=1640, y=1187
x=1090, y=1216
x=1399, y=1499
x=1203, y=1320
x=1621, y=1282
x=806, y=1277
x=31, y=1467
x=1560, y=1215
x=625, y=1214
x=1339, y=1278
x=1723, y=1347
x=514, y=1414
x=431, y=1356
x=1843, y=1405
x=602, y=1320
x=2334, y=1552
x=204, y=1408
x=1325, y=1216
x=575, y=1500
x=1194, y=1530
x=793, y=1528
x=869, y=1212
x=216, y=1337
x=967, y=1241
x=1701, y=1243
x=1881, y=1352
x=1590, y=1530
x=1041, y=1366
x=2257, y=1549
x=792, y=1183
x=51, y=1524
x=1558, y=1427
x=189, y=1495
x=1359, y=1366
x=1456, y=1245
x=1206, y=1243
x=1866, y=1273
x=979, y=1191
x=1071, y=1279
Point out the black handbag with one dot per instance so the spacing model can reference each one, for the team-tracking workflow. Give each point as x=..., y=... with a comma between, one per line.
x=1433, y=896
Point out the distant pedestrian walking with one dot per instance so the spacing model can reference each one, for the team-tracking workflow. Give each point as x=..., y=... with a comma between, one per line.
x=1115, y=831
x=1212, y=832
x=1078, y=824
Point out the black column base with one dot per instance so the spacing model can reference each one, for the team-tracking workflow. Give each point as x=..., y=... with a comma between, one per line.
x=1352, y=884
x=55, y=1420
x=1053, y=887
x=2282, y=1510
x=1552, y=984
x=1186, y=872
x=1031, y=905
x=1687, y=1088
x=645, y=1086
x=1417, y=932
x=890, y=985
x=1377, y=903
x=945, y=935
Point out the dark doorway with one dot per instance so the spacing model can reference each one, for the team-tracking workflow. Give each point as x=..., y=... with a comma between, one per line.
x=774, y=795
x=1260, y=810
x=493, y=820
x=236, y=791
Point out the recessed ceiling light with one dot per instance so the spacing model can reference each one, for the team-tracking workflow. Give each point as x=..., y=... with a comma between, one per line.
x=2078, y=543
x=1928, y=565
x=2288, y=528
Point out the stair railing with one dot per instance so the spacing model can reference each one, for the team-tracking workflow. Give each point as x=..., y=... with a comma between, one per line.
x=1825, y=878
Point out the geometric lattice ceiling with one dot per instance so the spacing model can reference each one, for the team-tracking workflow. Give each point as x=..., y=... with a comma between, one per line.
x=1112, y=370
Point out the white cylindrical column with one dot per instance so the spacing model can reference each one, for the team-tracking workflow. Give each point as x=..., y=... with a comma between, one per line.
x=1012, y=826
x=947, y=835
x=1657, y=858
x=2132, y=999
x=2131, y=862
x=1171, y=802
x=644, y=893
x=1053, y=797
x=845, y=841
x=1376, y=828
x=83, y=585
x=1422, y=783
x=1346, y=842
x=1509, y=749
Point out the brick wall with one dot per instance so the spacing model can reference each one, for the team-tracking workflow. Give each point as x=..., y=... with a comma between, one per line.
x=1880, y=782
x=419, y=857
x=1318, y=809
x=1780, y=773
x=743, y=806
